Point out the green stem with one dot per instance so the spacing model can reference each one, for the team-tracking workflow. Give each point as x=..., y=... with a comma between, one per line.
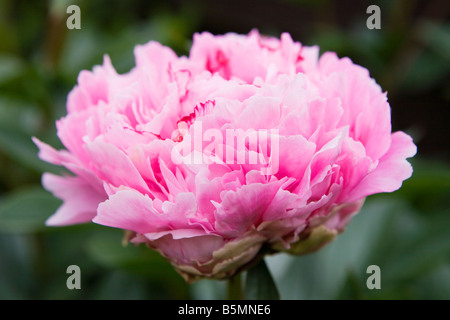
x=235, y=291
x=260, y=284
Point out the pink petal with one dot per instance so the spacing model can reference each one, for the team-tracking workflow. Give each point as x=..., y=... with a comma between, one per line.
x=113, y=166
x=80, y=200
x=131, y=210
x=392, y=170
x=244, y=208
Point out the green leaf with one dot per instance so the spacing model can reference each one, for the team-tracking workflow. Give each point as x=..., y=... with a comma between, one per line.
x=106, y=248
x=234, y=289
x=11, y=67
x=21, y=148
x=429, y=186
x=26, y=210
x=437, y=37
x=260, y=284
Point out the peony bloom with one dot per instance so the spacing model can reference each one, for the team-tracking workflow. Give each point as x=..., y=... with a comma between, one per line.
x=249, y=145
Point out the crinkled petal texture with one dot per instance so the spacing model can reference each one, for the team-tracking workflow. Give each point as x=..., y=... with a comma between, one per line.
x=249, y=145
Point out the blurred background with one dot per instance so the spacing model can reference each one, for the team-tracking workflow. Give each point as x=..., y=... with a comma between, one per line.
x=405, y=233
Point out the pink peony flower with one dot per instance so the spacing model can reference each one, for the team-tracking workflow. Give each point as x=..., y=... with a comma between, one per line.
x=249, y=145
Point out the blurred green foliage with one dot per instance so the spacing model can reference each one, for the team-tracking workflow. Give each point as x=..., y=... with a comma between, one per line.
x=405, y=233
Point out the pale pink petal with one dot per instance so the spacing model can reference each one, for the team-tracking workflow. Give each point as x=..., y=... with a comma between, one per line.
x=244, y=208
x=92, y=87
x=113, y=165
x=80, y=200
x=128, y=209
x=392, y=170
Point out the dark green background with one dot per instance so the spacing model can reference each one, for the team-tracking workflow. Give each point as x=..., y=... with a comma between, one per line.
x=405, y=233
